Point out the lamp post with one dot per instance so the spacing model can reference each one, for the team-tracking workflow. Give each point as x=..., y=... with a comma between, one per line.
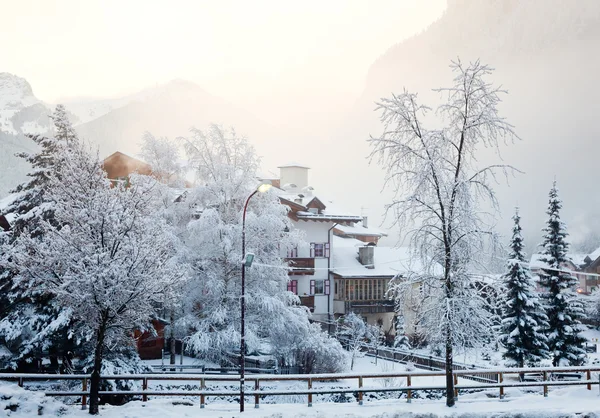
x=245, y=261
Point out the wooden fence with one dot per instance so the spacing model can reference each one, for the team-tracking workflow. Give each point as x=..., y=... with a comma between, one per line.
x=582, y=376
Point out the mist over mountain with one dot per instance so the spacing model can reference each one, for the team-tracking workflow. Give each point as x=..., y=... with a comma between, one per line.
x=166, y=110
x=545, y=53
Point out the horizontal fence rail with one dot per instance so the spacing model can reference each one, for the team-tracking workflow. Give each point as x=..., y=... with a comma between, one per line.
x=549, y=377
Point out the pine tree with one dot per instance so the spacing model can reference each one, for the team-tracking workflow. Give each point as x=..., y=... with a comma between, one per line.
x=563, y=307
x=401, y=339
x=30, y=207
x=523, y=317
x=32, y=321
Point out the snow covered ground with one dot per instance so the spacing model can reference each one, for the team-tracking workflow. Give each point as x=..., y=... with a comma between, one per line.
x=569, y=402
x=562, y=402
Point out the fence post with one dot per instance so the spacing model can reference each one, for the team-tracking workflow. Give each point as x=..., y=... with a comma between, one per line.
x=202, y=387
x=144, y=387
x=310, y=394
x=545, y=386
x=20, y=382
x=360, y=394
x=84, y=397
x=256, y=388
x=408, y=392
x=501, y=379
x=589, y=378
x=455, y=377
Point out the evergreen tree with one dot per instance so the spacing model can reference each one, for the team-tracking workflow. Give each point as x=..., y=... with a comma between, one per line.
x=523, y=317
x=32, y=321
x=401, y=339
x=563, y=307
x=30, y=207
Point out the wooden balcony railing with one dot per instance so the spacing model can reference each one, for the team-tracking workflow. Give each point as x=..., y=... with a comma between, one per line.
x=308, y=301
x=301, y=266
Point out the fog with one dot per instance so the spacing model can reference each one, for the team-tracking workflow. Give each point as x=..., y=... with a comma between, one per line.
x=300, y=79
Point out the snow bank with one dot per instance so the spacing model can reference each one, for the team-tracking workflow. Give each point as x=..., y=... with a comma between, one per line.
x=19, y=402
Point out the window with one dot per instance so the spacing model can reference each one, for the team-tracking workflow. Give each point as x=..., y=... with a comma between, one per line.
x=292, y=286
x=319, y=250
x=319, y=287
x=292, y=252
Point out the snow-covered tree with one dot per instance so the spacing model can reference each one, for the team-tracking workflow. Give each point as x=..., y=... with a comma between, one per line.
x=593, y=308
x=225, y=166
x=563, y=307
x=441, y=196
x=356, y=333
x=524, y=321
x=401, y=340
x=31, y=207
x=108, y=265
x=163, y=156
x=30, y=322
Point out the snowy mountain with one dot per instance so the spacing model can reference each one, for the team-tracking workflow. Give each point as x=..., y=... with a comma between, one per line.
x=20, y=111
x=169, y=109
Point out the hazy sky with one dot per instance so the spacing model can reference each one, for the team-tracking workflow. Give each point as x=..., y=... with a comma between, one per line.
x=240, y=49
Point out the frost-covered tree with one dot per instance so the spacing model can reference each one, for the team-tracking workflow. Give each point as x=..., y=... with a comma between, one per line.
x=401, y=340
x=108, y=265
x=31, y=207
x=356, y=333
x=163, y=156
x=563, y=307
x=33, y=322
x=225, y=166
x=593, y=308
x=524, y=321
x=441, y=196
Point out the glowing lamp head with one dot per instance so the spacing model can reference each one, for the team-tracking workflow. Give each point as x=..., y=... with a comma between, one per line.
x=264, y=187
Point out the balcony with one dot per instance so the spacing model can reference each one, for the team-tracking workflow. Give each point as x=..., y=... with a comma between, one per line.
x=302, y=266
x=308, y=301
x=367, y=306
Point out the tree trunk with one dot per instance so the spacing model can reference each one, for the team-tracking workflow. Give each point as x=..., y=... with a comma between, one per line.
x=449, y=377
x=172, y=346
x=95, y=380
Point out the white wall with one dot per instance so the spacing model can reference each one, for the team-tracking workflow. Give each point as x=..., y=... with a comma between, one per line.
x=315, y=232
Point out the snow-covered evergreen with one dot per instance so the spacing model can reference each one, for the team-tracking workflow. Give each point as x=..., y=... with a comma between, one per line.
x=401, y=340
x=563, y=307
x=31, y=321
x=30, y=207
x=523, y=318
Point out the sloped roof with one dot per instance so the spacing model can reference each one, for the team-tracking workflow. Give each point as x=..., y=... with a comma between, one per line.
x=388, y=261
x=359, y=230
x=331, y=212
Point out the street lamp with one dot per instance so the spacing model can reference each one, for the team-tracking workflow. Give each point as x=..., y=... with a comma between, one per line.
x=246, y=262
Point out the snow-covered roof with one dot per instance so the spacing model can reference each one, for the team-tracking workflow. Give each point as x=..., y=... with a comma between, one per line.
x=293, y=164
x=360, y=229
x=332, y=212
x=388, y=261
x=536, y=263
x=579, y=259
x=594, y=254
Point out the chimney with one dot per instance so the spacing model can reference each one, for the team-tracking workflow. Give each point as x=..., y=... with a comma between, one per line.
x=366, y=256
x=365, y=221
x=294, y=174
